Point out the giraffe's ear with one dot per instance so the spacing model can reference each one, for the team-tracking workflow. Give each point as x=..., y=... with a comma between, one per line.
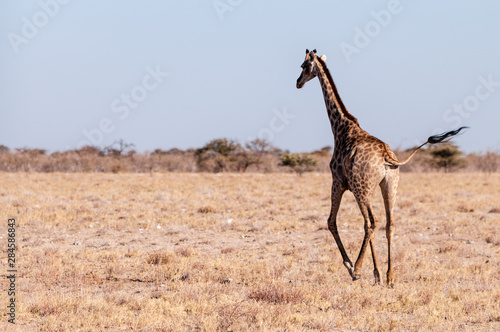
x=323, y=57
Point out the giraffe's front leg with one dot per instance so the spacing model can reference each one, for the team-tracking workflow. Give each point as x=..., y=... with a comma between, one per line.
x=346, y=261
x=376, y=271
x=370, y=226
x=337, y=192
x=359, y=262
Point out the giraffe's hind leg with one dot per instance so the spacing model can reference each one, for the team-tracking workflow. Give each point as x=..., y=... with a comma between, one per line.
x=337, y=192
x=370, y=226
x=389, y=188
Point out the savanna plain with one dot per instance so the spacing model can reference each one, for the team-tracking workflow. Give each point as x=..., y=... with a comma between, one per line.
x=246, y=252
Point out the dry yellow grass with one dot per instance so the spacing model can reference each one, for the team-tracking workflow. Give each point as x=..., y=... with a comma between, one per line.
x=182, y=252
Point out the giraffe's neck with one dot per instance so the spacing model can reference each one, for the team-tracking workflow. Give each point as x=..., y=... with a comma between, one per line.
x=341, y=120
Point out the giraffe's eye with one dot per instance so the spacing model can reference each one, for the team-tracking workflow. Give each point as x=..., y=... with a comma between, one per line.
x=306, y=65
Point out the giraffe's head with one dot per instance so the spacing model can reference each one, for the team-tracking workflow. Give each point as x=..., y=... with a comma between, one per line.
x=308, y=68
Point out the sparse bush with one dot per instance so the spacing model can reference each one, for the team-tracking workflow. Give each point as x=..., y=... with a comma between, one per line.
x=216, y=155
x=300, y=163
x=245, y=159
x=487, y=162
x=222, y=155
x=447, y=157
x=175, y=152
x=119, y=148
x=88, y=150
x=323, y=152
x=31, y=152
x=263, y=154
x=221, y=146
x=4, y=149
x=261, y=146
x=159, y=152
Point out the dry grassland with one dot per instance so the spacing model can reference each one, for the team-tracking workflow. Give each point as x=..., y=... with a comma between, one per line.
x=246, y=252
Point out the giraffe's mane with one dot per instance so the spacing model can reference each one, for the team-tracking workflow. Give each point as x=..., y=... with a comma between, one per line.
x=343, y=109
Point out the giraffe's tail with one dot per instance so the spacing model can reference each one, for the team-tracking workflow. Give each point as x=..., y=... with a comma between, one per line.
x=441, y=138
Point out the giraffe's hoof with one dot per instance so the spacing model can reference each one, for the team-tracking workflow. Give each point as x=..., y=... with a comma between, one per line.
x=377, y=277
x=390, y=280
x=348, y=265
x=355, y=275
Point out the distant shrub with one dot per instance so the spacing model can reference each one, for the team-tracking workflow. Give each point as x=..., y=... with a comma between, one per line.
x=159, y=152
x=223, y=155
x=88, y=150
x=446, y=157
x=31, y=152
x=175, y=152
x=488, y=162
x=4, y=149
x=215, y=155
x=119, y=148
x=300, y=163
x=323, y=152
x=261, y=146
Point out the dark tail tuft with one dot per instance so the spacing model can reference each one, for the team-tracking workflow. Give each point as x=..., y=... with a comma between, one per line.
x=445, y=137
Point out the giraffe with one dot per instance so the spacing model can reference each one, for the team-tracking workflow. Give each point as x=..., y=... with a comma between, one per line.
x=360, y=163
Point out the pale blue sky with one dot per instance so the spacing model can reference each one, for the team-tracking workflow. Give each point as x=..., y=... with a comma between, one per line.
x=164, y=74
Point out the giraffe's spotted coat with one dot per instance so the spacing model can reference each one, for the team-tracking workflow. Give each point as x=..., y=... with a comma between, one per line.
x=359, y=164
